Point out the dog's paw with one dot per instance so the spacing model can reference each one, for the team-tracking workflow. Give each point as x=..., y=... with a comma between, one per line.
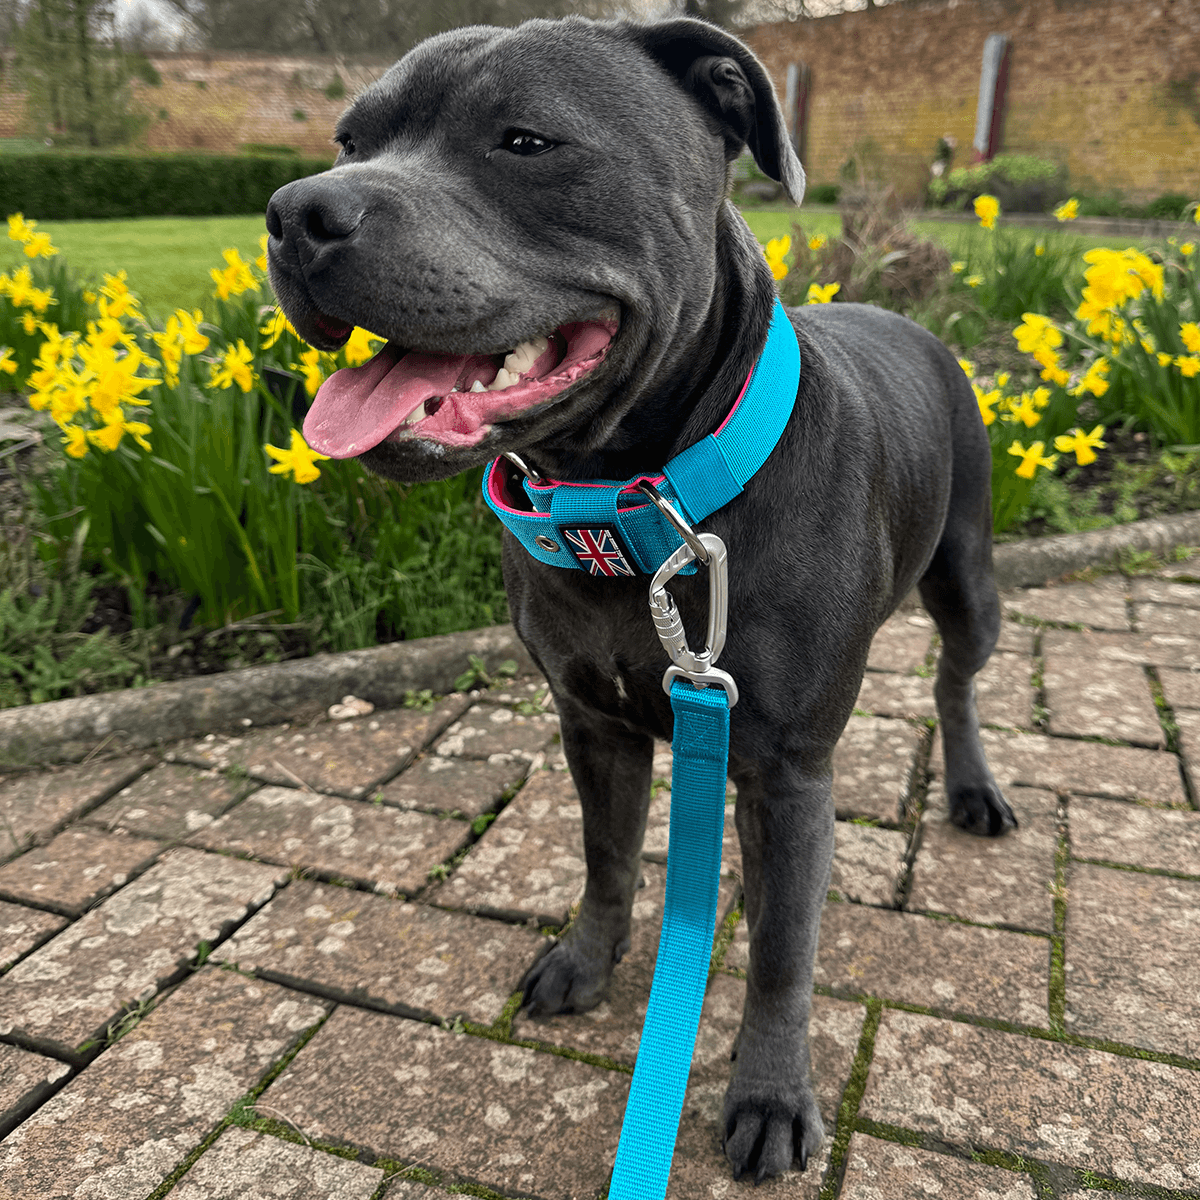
x=982, y=811
x=566, y=980
x=766, y=1135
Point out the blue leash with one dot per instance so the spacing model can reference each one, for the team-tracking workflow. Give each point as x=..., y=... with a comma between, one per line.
x=701, y=750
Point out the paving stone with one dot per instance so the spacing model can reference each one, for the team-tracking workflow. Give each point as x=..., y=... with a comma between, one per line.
x=391, y=849
x=1084, y=1108
x=124, y=950
x=901, y=643
x=170, y=802
x=242, y=1165
x=1089, y=768
x=1181, y=689
x=867, y=862
x=1091, y=694
x=75, y=869
x=1189, y=745
x=529, y=862
x=120, y=1127
x=369, y=950
x=1004, y=693
x=658, y=834
x=1015, y=638
x=1168, y=618
x=409, y=1189
x=1098, y=605
x=344, y=757
x=889, y=695
x=613, y=1029
x=941, y=964
x=35, y=806
x=1164, y=591
x=876, y=1169
x=484, y=731
x=1172, y=650
x=700, y=1168
x=438, y=783
x=873, y=767
x=23, y=928
x=507, y=1117
x=1133, y=959
x=1007, y=880
x=26, y=1081
x=1113, y=830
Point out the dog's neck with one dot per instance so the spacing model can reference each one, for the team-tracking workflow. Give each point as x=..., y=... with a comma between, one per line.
x=700, y=391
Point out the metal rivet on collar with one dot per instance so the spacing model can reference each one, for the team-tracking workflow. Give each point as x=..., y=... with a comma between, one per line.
x=548, y=544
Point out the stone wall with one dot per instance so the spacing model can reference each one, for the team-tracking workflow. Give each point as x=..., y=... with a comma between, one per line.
x=1110, y=88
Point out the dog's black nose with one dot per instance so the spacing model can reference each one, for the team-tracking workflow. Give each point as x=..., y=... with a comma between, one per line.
x=317, y=211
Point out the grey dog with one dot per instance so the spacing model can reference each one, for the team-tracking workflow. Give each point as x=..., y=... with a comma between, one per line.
x=537, y=219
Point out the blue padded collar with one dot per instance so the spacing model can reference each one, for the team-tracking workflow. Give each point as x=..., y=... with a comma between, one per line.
x=609, y=528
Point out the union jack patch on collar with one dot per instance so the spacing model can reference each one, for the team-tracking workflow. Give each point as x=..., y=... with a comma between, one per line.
x=599, y=550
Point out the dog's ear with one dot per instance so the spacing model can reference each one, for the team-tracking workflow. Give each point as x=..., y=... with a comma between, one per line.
x=733, y=86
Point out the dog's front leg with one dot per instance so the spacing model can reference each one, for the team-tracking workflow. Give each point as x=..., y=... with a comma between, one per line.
x=611, y=765
x=785, y=823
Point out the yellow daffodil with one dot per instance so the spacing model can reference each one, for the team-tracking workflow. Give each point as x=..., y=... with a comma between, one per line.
x=822, y=295
x=29, y=323
x=987, y=402
x=1189, y=331
x=40, y=246
x=777, y=250
x=958, y=267
x=816, y=242
x=108, y=438
x=1068, y=211
x=1041, y=396
x=89, y=297
x=1189, y=365
x=973, y=281
x=8, y=364
x=360, y=347
x=310, y=367
x=76, y=440
x=276, y=323
x=1164, y=360
x=118, y=300
x=19, y=229
x=1083, y=445
x=299, y=459
x=235, y=279
x=233, y=368
x=968, y=367
x=1039, y=250
x=1094, y=380
x=1187, y=249
x=261, y=261
x=1032, y=458
x=1023, y=410
x=987, y=209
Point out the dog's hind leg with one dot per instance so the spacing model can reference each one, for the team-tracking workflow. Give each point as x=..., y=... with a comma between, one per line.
x=611, y=766
x=959, y=591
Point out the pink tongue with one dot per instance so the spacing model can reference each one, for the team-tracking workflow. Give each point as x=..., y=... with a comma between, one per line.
x=357, y=407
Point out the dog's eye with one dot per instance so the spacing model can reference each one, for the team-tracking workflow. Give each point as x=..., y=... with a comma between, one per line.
x=521, y=141
x=347, y=145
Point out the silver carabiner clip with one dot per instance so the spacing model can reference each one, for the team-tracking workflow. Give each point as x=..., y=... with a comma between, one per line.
x=696, y=666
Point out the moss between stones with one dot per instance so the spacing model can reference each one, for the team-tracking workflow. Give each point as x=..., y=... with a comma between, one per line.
x=847, y=1118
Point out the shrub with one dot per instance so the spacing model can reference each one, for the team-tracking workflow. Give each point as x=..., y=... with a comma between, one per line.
x=823, y=193
x=1168, y=207
x=95, y=186
x=1021, y=182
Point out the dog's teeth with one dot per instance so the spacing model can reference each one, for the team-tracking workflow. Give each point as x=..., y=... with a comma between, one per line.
x=477, y=386
x=417, y=414
x=504, y=379
x=522, y=357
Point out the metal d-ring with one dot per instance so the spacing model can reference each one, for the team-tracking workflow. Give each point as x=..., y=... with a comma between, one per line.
x=526, y=470
x=677, y=522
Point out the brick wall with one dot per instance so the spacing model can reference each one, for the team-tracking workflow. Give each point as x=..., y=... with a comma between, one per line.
x=1110, y=88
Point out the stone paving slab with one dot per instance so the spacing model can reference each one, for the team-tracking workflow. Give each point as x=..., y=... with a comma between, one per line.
x=1088, y=768
x=1168, y=618
x=485, y=731
x=35, y=806
x=992, y=881
x=507, y=1117
x=408, y=1189
x=529, y=862
x=26, y=1081
x=658, y=833
x=1016, y=638
x=1004, y=692
x=242, y=1165
x=382, y=953
x=438, y=783
x=1181, y=689
x=1189, y=743
x=1090, y=694
x=613, y=1029
x=884, y=694
x=126, y=949
x=938, y=964
x=1133, y=959
x=902, y=643
x=873, y=767
x=75, y=869
x=1164, y=591
x=1171, y=650
x=119, y=1128
x=1083, y=1108
x=867, y=862
x=1098, y=605
x=389, y=849
x=169, y=802
x=344, y=757
x=877, y=1170
x=21, y=929
x=1162, y=839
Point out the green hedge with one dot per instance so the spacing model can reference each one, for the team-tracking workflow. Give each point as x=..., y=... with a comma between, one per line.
x=58, y=187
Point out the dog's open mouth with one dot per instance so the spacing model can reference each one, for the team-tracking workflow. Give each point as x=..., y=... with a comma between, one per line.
x=453, y=399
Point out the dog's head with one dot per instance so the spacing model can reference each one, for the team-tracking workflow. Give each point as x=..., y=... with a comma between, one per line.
x=529, y=217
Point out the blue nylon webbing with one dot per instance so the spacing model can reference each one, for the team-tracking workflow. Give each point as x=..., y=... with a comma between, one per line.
x=701, y=750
